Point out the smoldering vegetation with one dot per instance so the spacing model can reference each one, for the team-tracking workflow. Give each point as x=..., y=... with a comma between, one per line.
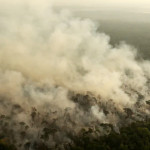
x=55, y=128
x=59, y=77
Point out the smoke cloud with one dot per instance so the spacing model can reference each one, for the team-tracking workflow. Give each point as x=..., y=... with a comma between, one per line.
x=58, y=71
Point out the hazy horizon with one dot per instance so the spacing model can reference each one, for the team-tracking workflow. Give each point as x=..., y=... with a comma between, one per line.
x=110, y=4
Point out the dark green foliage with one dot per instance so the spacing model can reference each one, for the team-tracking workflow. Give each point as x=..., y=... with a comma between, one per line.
x=134, y=137
x=5, y=145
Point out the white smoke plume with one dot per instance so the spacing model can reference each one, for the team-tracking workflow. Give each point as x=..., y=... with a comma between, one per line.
x=66, y=71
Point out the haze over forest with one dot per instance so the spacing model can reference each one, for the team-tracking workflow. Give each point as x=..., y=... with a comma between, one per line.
x=72, y=72
x=122, y=20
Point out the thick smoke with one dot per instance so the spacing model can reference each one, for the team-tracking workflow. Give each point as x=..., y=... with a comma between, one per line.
x=58, y=74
